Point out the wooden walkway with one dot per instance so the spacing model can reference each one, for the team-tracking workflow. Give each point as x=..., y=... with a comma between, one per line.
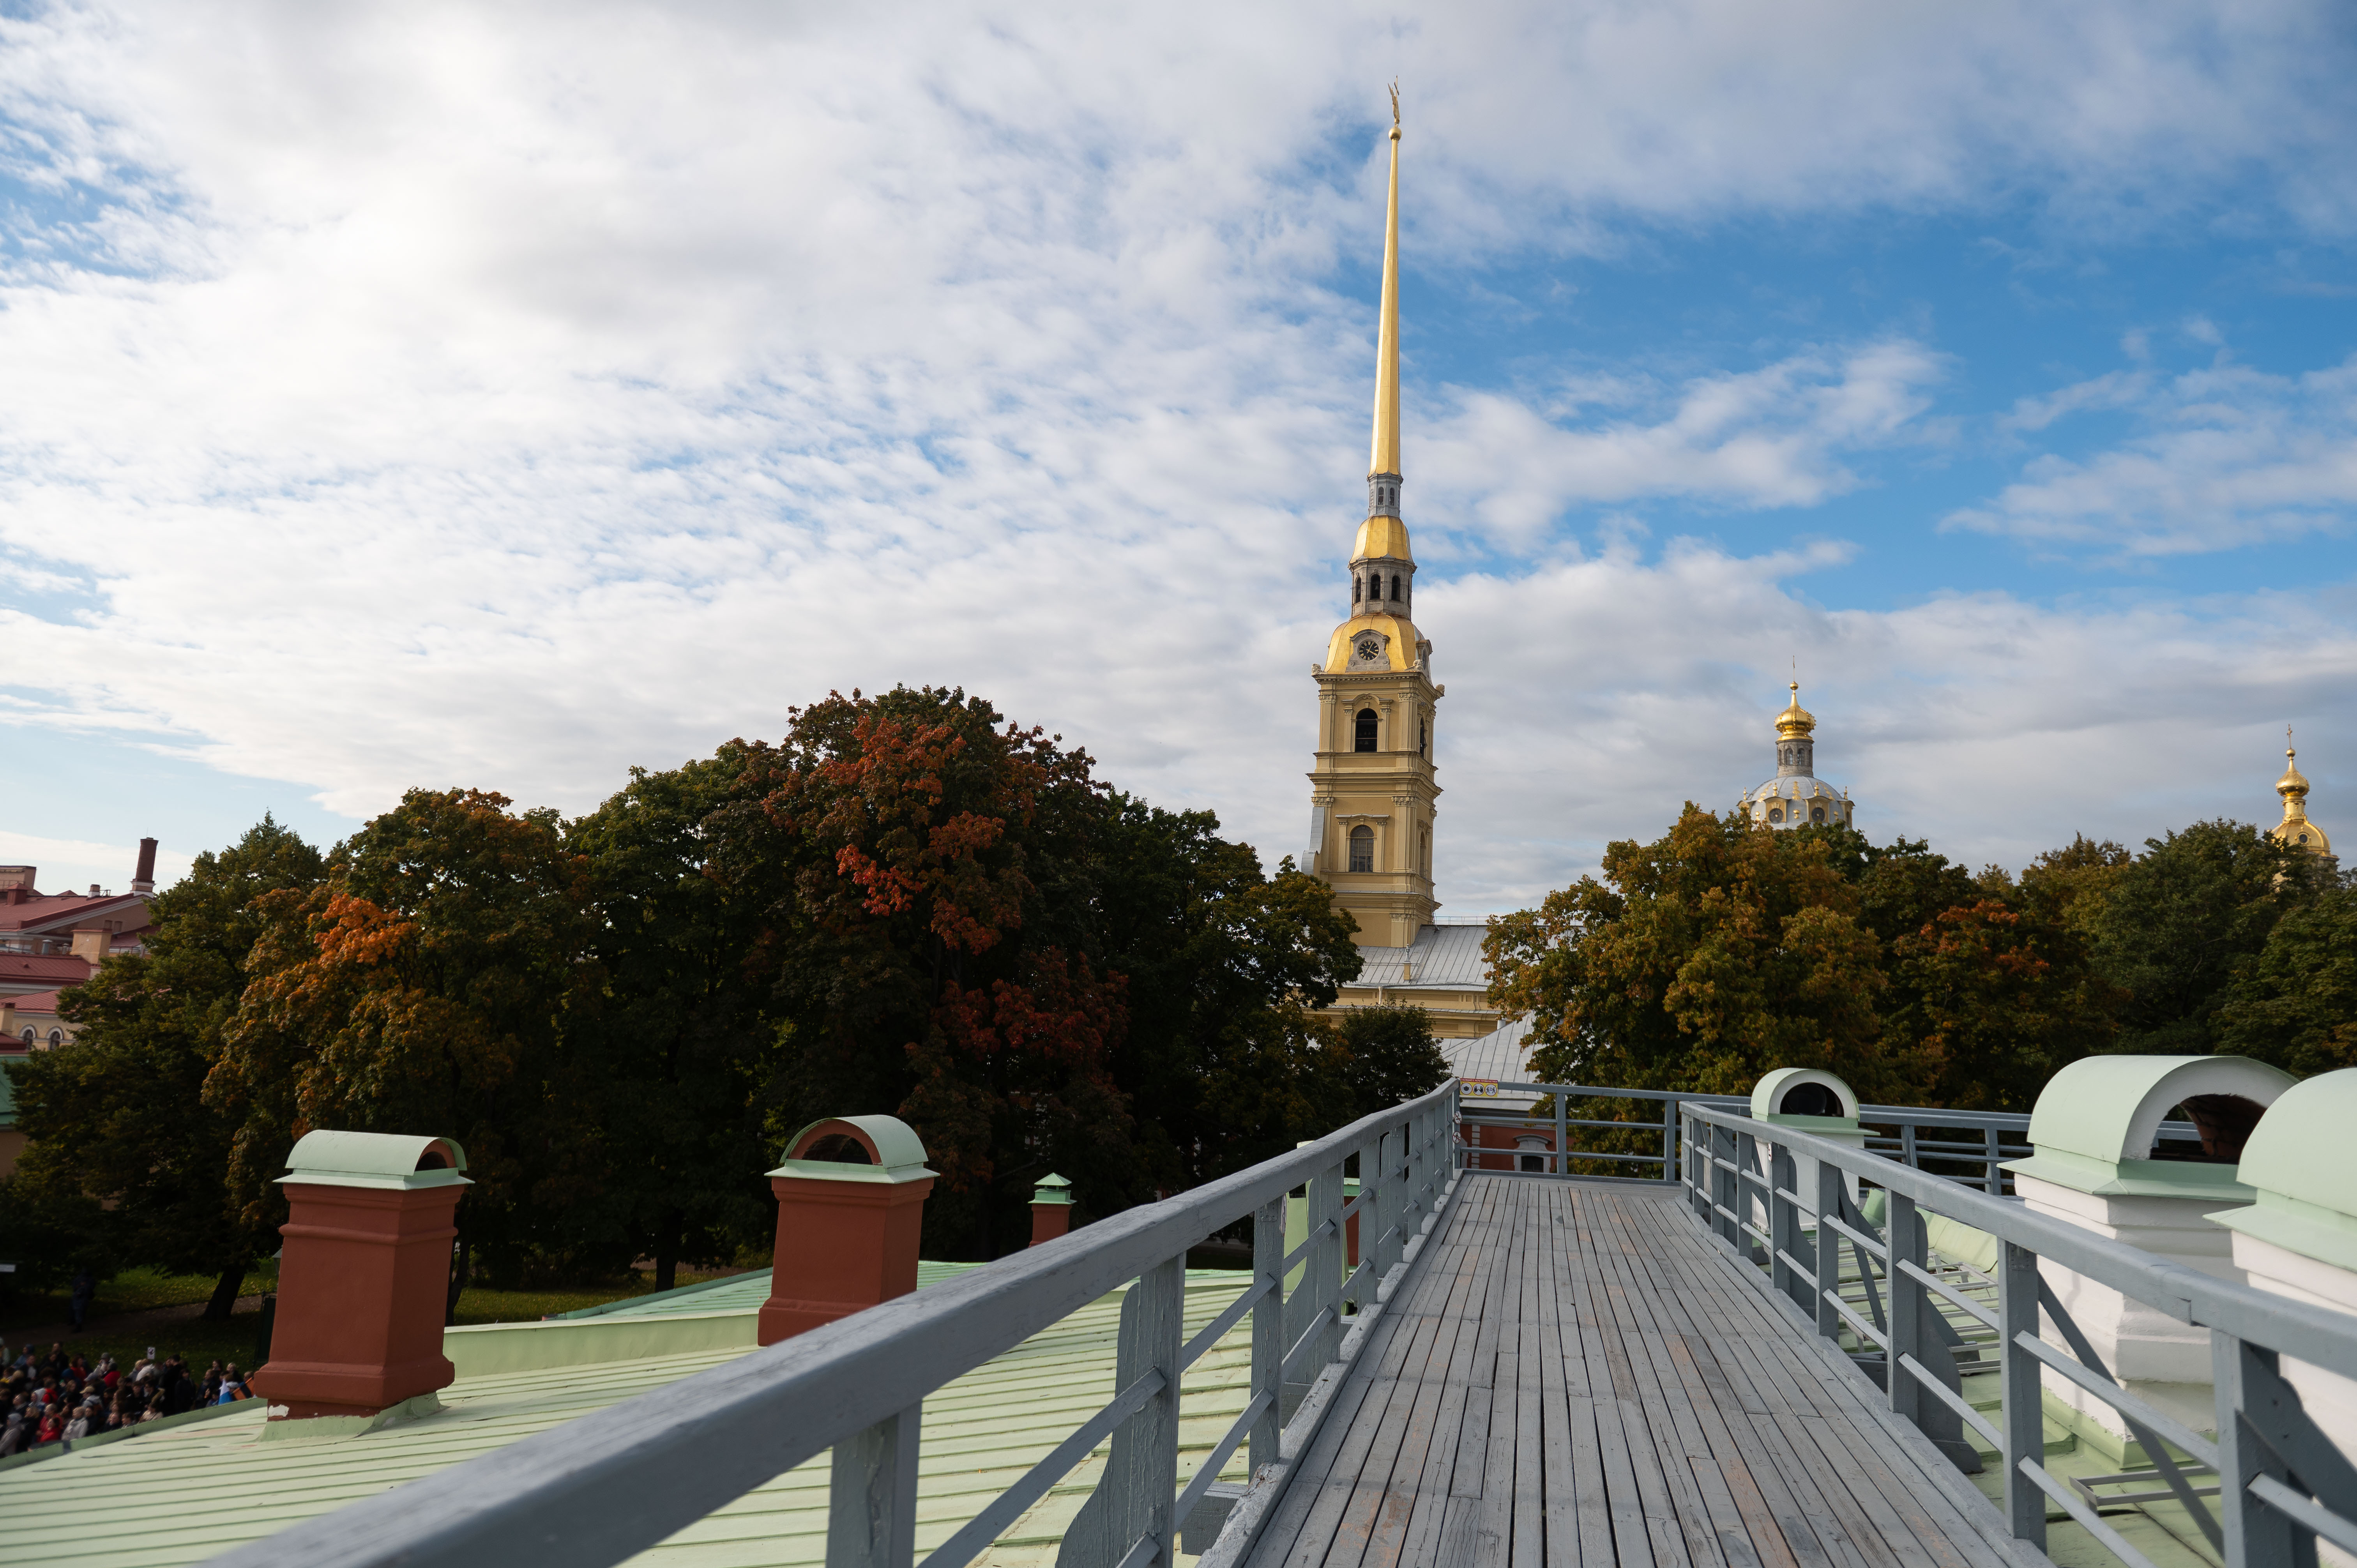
x=1573, y=1377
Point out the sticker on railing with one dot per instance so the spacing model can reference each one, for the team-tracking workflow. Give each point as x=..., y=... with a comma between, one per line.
x=1478, y=1088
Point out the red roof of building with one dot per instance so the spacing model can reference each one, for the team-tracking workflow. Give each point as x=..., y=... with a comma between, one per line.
x=63, y=911
x=36, y=1001
x=20, y=972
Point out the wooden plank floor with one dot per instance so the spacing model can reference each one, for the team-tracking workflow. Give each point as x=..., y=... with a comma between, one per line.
x=1576, y=1378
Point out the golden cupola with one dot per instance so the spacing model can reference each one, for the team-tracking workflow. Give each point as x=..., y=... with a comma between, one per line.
x=1796, y=797
x=2296, y=830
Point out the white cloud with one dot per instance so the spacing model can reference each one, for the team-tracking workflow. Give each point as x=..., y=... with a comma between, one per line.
x=2227, y=456
x=438, y=394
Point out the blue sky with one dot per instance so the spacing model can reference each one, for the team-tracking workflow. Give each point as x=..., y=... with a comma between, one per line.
x=421, y=395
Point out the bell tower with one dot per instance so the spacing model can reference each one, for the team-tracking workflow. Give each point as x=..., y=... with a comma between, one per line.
x=1372, y=792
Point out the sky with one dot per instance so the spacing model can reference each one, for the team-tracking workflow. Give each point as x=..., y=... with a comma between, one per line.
x=439, y=395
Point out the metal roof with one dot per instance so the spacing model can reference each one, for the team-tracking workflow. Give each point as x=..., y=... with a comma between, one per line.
x=185, y=1494
x=1501, y=1054
x=1441, y=956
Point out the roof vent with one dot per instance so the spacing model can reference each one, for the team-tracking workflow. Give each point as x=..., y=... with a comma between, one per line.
x=847, y=1226
x=364, y=1283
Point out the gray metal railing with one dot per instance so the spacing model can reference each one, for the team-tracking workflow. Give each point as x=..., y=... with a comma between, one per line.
x=1969, y=1146
x=600, y=1489
x=2281, y=1483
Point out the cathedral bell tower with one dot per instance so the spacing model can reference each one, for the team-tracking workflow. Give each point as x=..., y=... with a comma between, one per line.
x=1371, y=793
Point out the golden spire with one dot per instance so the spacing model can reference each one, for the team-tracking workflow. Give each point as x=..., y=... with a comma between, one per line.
x=1795, y=721
x=1385, y=459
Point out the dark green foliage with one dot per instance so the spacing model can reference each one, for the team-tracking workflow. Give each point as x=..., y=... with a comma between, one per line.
x=678, y=1045
x=120, y=1115
x=1389, y=1057
x=2296, y=1005
x=2180, y=923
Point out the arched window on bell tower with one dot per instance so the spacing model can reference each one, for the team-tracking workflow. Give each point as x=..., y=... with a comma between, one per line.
x=1396, y=584
x=1354, y=587
x=1362, y=848
x=1365, y=738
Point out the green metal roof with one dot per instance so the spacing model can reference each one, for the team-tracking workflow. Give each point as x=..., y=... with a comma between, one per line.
x=183, y=1495
x=2302, y=1165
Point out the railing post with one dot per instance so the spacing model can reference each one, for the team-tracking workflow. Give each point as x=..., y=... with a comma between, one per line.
x=1907, y=1155
x=1747, y=1158
x=1670, y=1106
x=2257, y=1535
x=1829, y=1204
x=1722, y=1182
x=1562, y=1160
x=2025, y=1419
x=1390, y=1209
x=1324, y=1277
x=871, y=1499
x=1133, y=1500
x=1904, y=1232
x=1783, y=1223
x=1994, y=1182
x=1267, y=1330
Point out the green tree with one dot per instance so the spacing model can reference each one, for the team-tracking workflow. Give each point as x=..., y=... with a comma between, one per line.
x=425, y=986
x=1388, y=1056
x=908, y=859
x=1700, y=961
x=2296, y=1005
x=2181, y=921
x=1990, y=1001
x=1224, y=1063
x=675, y=1053
x=119, y=1116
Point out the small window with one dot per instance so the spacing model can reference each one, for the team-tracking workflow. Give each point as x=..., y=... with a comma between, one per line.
x=1365, y=738
x=1816, y=813
x=1419, y=740
x=28, y=1037
x=1396, y=584
x=1354, y=587
x=56, y=1036
x=1775, y=813
x=1362, y=848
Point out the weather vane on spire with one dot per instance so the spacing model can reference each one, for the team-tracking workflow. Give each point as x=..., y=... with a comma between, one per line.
x=1395, y=101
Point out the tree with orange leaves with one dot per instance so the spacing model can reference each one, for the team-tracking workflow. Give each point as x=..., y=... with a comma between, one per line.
x=912, y=859
x=424, y=987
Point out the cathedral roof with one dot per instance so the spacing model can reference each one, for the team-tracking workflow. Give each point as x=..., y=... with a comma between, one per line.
x=1382, y=538
x=1399, y=630
x=1795, y=721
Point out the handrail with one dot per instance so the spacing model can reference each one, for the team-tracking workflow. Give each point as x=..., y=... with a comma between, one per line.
x=598, y=1490
x=2281, y=1481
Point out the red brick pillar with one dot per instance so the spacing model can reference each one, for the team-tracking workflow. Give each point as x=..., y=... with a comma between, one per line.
x=365, y=1275
x=1051, y=1209
x=848, y=1231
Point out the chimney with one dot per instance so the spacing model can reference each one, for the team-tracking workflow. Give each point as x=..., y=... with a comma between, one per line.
x=847, y=1221
x=143, y=879
x=1051, y=1209
x=16, y=883
x=364, y=1279
x=90, y=944
x=94, y=890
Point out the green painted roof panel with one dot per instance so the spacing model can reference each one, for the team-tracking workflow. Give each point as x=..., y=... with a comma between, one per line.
x=183, y=1495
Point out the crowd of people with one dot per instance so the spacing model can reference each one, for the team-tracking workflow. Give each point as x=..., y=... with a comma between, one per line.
x=57, y=1397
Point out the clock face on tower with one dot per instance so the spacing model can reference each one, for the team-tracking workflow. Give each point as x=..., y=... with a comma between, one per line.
x=1371, y=649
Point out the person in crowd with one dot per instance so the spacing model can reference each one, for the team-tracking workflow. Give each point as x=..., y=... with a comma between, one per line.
x=78, y=1425
x=11, y=1437
x=85, y=1290
x=232, y=1387
x=53, y=1426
